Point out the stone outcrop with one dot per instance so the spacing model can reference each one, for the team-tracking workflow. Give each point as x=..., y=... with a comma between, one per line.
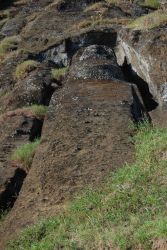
x=36, y=88
x=145, y=52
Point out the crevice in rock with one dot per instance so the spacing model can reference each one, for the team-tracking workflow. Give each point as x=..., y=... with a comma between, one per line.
x=12, y=190
x=36, y=129
x=106, y=37
x=138, y=112
x=7, y=3
x=30, y=130
x=47, y=95
x=61, y=54
x=131, y=76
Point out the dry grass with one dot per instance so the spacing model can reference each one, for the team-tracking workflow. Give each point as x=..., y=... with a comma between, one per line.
x=38, y=111
x=20, y=2
x=149, y=21
x=59, y=74
x=116, y=1
x=154, y=4
x=99, y=7
x=100, y=21
x=55, y=4
x=24, y=68
x=24, y=154
x=7, y=45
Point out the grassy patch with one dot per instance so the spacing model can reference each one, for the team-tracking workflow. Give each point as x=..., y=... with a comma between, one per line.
x=149, y=21
x=39, y=110
x=59, y=74
x=7, y=45
x=4, y=14
x=127, y=211
x=24, y=68
x=99, y=6
x=154, y=4
x=25, y=153
x=100, y=21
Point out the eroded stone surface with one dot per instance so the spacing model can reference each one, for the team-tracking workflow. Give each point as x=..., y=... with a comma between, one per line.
x=95, y=62
x=146, y=52
x=85, y=136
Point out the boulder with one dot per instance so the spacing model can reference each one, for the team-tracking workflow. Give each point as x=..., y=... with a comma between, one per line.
x=146, y=51
x=36, y=88
x=95, y=62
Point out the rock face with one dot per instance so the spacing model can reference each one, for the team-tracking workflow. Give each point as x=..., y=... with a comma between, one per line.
x=86, y=130
x=92, y=141
x=36, y=88
x=145, y=52
x=19, y=130
x=95, y=62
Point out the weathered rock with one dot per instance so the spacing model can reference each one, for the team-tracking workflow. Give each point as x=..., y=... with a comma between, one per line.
x=56, y=56
x=19, y=129
x=146, y=52
x=8, y=67
x=85, y=136
x=38, y=38
x=13, y=26
x=36, y=88
x=95, y=62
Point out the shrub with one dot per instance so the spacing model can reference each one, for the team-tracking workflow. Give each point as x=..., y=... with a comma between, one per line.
x=154, y=4
x=7, y=45
x=25, y=153
x=149, y=21
x=59, y=74
x=39, y=110
x=24, y=68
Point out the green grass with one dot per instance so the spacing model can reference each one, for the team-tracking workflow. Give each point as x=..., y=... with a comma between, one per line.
x=127, y=210
x=154, y=4
x=39, y=110
x=7, y=45
x=149, y=21
x=58, y=74
x=25, y=153
x=3, y=215
x=24, y=68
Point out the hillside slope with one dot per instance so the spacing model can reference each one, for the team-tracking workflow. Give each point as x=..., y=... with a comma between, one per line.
x=75, y=76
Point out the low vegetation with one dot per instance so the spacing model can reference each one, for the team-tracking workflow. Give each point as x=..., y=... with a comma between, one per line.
x=154, y=4
x=99, y=6
x=25, y=153
x=59, y=74
x=7, y=45
x=4, y=14
x=100, y=21
x=39, y=110
x=128, y=210
x=149, y=21
x=3, y=93
x=24, y=68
